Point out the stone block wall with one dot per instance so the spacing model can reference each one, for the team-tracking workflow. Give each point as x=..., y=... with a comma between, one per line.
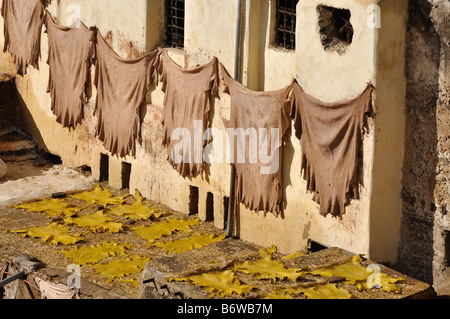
x=424, y=247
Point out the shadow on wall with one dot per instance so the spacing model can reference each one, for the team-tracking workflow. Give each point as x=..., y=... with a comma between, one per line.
x=421, y=157
x=27, y=124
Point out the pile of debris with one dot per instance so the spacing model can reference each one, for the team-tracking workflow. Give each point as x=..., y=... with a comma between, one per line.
x=26, y=277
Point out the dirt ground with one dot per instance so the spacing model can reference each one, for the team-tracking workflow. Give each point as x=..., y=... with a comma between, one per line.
x=46, y=180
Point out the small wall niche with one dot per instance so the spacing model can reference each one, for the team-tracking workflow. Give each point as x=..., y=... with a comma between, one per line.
x=226, y=203
x=314, y=246
x=336, y=31
x=193, y=200
x=210, y=207
x=85, y=170
x=126, y=174
x=104, y=168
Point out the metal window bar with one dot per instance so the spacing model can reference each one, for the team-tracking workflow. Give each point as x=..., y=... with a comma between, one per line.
x=286, y=17
x=175, y=10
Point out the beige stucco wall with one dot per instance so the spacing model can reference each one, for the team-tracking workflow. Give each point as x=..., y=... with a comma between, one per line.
x=375, y=55
x=370, y=225
x=386, y=182
x=329, y=77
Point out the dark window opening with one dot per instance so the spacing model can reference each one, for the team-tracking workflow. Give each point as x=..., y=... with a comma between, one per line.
x=193, y=200
x=126, y=174
x=286, y=21
x=175, y=23
x=210, y=207
x=104, y=168
x=336, y=31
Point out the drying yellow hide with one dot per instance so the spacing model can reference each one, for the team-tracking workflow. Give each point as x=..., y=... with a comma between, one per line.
x=165, y=228
x=356, y=274
x=223, y=284
x=51, y=207
x=269, y=269
x=97, y=223
x=294, y=255
x=94, y=254
x=132, y=281
x=328, y=291
x=53, y=234
x=190, y=243
x=136, y=211
x=99, y=196
x=280, y=294
x=269, y=251
x=120, y=268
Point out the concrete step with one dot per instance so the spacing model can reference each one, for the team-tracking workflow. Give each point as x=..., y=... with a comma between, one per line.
x=16, y=147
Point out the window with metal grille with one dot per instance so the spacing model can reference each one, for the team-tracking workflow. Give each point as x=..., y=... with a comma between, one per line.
x=175, y=23
x=286, y=17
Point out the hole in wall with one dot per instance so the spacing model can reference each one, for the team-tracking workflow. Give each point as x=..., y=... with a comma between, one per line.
x=104, y=168
x=51, y=158
x=85, y=170
x=193, y=200
x=126, y=174
x=336, y=31
x=210, y=207
x=314, y=246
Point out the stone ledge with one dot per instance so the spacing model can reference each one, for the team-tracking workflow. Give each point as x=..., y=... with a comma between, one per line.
x=155, y=280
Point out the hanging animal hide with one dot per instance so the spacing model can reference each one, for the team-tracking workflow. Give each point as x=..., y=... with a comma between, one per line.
x=188, y=98
x=259, y=184
x=331, y=136
x=69, y=59
x=122, y=86
x=22, y=29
